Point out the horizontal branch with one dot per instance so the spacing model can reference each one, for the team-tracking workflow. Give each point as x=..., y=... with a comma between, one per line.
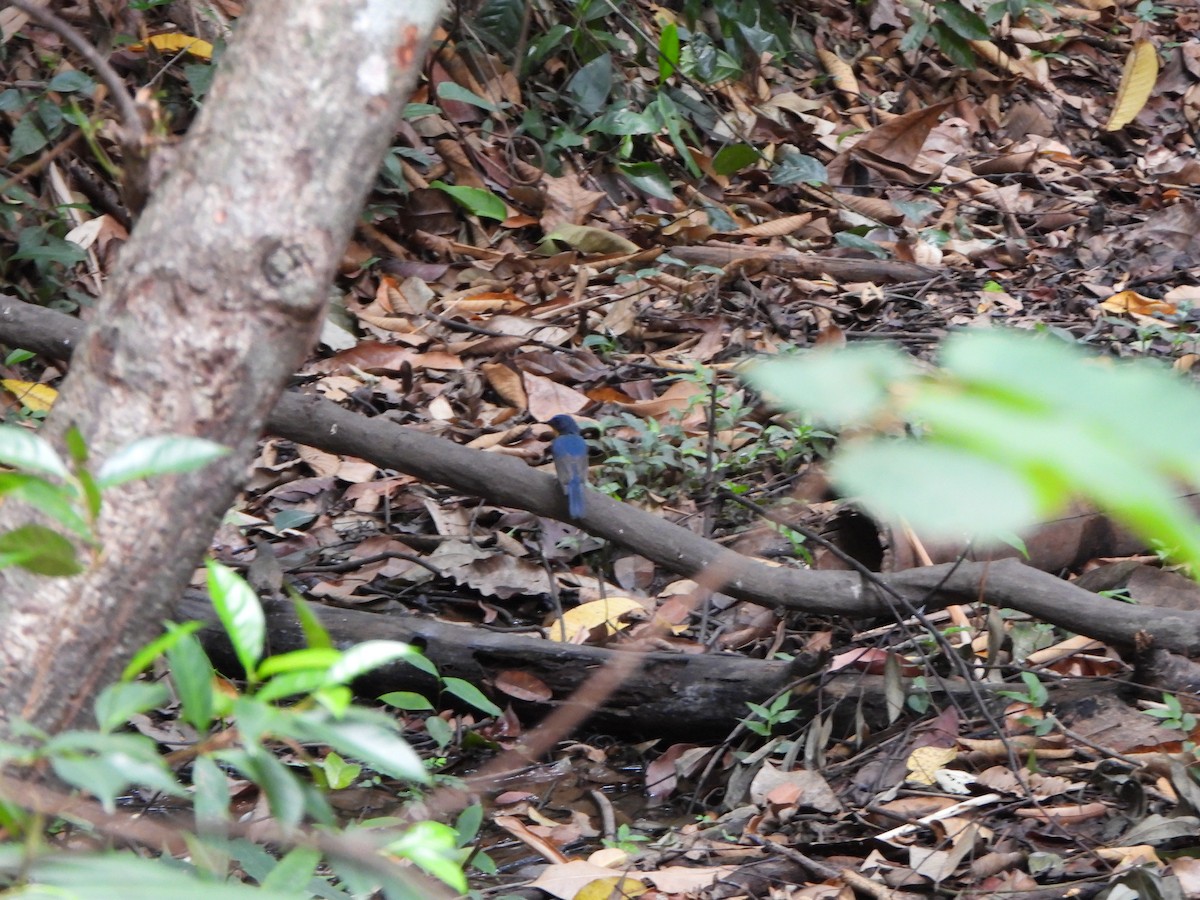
x=317, y=422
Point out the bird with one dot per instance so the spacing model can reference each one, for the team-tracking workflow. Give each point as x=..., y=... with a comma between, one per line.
x=570, y=453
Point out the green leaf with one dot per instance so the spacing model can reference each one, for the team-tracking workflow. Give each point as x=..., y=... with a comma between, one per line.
x=838, y=388
x=796, y=168
x=192, y=673
x=468, y=693
x=370, y=739
x=432, y=846
x=119, y=702
x=622, y=121
x=240, y=612
x=157, y=647
x=129, y=877
x=703, y=61
x=26, y=138
x=940, y=491
x=91, y=492
x=162, y=455
x=734, y=158
x=649, y=178
x=291, y=518
x=857, y=242
x=957, y=50
x=338, y=773
x=76, y=445
x=448, y=90
x=315, y=634
x=406, y=700
x=23, y=449
x=476, y=201
x=499, y=22
x=590, y=86
x=293, y=872
x=668, y=51
x=210, y=793
x=54, y=500
x=40, y=550
x=369, y=655
x=318, y=659
x=468, y=823
x=71, y=81
x=41, y=248
x=285, y=796
x=289, y=684
x=963, y=21
x=117, y=765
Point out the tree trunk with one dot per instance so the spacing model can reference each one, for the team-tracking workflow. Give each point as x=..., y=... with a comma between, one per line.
x=212, y=306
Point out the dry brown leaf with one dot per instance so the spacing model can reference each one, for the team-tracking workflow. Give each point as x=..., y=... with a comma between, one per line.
x=523, y=686
x=506, y=382
x=547, y=398
x=842, y=74
x=1137, y=81
x=776, y=227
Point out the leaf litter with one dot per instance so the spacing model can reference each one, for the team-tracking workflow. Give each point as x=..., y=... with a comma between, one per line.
x=608, y=237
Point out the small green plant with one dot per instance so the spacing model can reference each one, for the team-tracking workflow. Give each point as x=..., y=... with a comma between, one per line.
x=1035, y=696
x=765, y=719
x=626, y=839
x=645, y=456
x=297, y=700
x=1035, y=693
x=1172, y=714
x=919, y=699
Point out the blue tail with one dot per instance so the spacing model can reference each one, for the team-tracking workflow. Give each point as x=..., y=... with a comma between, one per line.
x=574, y=489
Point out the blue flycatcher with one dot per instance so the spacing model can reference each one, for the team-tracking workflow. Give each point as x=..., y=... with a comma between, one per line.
x=570, y=454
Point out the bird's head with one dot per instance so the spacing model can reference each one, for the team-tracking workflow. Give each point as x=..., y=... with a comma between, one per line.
x=564, y=424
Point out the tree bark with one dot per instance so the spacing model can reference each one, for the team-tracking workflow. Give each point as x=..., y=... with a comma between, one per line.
x=212, y=306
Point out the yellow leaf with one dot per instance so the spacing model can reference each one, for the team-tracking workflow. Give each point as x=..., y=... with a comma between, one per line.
x=619, y=886
x=1135, y=304
x=1137, y=81
x=174, y=41
x=37, y=397
x=607, y=612
x=924, y=762
x=588, y=239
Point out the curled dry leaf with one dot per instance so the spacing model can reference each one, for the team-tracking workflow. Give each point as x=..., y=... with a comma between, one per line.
x=1137, y=81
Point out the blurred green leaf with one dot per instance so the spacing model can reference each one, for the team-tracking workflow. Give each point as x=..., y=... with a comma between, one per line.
x=161, y=455
x=23, y=449
x=837, y=388
x=118, y=702
x=40, y=550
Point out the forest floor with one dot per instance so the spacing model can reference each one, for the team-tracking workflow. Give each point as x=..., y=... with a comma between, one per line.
x=650, y=202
